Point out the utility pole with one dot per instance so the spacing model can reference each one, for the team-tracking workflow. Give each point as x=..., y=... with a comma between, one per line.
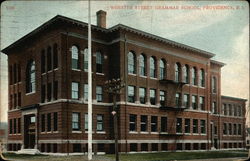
x=114, y=87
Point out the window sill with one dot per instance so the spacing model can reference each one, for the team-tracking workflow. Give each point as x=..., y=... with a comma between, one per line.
x=131, y=74
x=101, y=132
x=99, y=73
x=163, y=132
x=55, y=132
x=133, y=132
x=187, y=133
x=153, y=78
x=78, y=70
x=74, y=131
x=143, y=76
x=144, y=132
x=30, y=93
x=154, y=132
x=50, y=71
x=88, y=132
x=195, y=133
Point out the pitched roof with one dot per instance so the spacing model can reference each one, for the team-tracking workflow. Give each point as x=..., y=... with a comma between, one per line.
x=112, y=29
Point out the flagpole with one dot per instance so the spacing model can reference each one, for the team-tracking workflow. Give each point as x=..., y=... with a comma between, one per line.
x=89, y=86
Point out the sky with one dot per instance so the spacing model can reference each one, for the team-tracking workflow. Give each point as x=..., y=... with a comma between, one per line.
x=219, y=27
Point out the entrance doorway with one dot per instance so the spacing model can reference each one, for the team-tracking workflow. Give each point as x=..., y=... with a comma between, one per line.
x=29, y=131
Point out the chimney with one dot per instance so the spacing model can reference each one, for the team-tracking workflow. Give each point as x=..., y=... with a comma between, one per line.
x=101, y=18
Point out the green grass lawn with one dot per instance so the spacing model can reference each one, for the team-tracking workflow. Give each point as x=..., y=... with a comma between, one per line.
x=166, y=156
x=163, y=156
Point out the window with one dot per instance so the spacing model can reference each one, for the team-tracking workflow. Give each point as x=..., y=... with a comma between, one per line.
x=15, y=100
x=85, y=61
x=43, y=93
x=235, y=129
x=225, y=128
x=100, y=124
x=144, y=147
x=154, y=124
x=214, y=108
x=11, y=130
x=162, y=98
x=194, y=102
x=49, y=92
x=203, y=126
x=98, y=93
x=214, y=85
x=235, y=110
x=131, y=63
x=55, y=56
x=43, y=61
x=152, y=67
x=144, y=123
x=131, y=94
x=186, y=100
x=132, y=122
x=99, y=62
x=177, y=72
x=75, y=89
x=152, y=96
x=230, y=110
x=230, y=129
x=75, y=121
x=10, y=75
x=239, y=129
x=215, y=130
x=164, y=124
x=15, y=78
x=162, y=69
x=43, y=123
x=49, y=63
x=19, y=73
x=142, y=94
x=55, y=86
x=142, y=65
x=187, y=125
x=49, y=122
x=86, y=121
x=186, y=74
x=154, y=147
x=55, y=121
x=194, y=76
x=133, y=147
x=85, y=95
x=30, y=77
x=225, y=109
x=74, y=57
x=239, y=111
x=202, y=78
x=195, y=126
x=177, y=99
x=11, y=100
x=179, y=125
x=19, y=125
x=19, y=99
x=202, y=103
x=14, y=126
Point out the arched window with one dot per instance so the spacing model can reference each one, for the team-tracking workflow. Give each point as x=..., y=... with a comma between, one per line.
x=177, y=72
x=142, y=65
x=194, y=77
x=30, y=77
x=186, y=73
x=162, y=69
x=74, y=56
x=99, y=62
x=152, y=67
x=202, y=78
x=214, y=85
x=131, y=63
x=85, y=60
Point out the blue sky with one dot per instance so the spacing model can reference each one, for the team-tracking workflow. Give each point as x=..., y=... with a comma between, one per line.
x=224, y=32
